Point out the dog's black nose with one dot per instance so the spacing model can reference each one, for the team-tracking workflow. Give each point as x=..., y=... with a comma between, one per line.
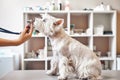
x=44, y=20
x=37, y=31
x=84, y=79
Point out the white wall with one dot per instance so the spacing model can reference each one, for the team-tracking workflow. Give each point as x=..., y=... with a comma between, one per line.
x=11, y=14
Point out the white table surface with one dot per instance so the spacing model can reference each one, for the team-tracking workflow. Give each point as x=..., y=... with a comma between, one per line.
x=41, y=75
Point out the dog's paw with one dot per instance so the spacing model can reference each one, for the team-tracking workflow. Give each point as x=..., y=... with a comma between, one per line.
x=49, y=72
x=62, y=78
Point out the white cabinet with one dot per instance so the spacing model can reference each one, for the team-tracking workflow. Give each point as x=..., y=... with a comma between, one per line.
x=80, y=25
x=118, y=63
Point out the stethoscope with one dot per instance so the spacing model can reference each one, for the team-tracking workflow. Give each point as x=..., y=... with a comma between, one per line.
x=11, y=32
x=8, y=31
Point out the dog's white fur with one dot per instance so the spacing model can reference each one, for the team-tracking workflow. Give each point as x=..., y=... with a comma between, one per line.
x=69, y=55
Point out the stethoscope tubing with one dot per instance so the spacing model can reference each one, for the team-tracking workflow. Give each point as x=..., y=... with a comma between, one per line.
x=8, y=31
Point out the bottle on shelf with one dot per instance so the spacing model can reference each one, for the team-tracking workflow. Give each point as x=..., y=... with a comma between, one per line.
x=72, y=29
x=59, y=5
x=67, y=5
x=53, y=5
x=102, y=6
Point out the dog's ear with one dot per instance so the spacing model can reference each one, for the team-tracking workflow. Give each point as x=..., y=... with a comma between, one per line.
x=42, y=16
x=58, y=22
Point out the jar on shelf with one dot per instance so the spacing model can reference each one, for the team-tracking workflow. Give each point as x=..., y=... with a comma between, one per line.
x=67, y=5
x=72, y=28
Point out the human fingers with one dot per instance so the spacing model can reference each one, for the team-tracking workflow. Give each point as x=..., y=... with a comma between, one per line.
x=31, y=29
x=24, y=31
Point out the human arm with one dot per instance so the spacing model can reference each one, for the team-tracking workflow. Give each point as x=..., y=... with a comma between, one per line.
x=24, y=36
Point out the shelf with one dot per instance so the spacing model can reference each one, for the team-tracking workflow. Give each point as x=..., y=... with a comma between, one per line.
x=106, y=58
x=45, y=11
x=101, y=58
x=80, y=11
x=34, y=59
x=103, y=35
x=38, y=35
x=72, y=11
x=111, y=11
x=80, y=35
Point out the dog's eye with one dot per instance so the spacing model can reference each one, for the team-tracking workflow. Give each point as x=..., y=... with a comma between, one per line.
x=44, y=20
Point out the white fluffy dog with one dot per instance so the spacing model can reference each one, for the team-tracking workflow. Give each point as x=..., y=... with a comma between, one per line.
x=69, y=55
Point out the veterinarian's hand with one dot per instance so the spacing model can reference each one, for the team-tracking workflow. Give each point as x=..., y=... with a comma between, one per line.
x=26, y=34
